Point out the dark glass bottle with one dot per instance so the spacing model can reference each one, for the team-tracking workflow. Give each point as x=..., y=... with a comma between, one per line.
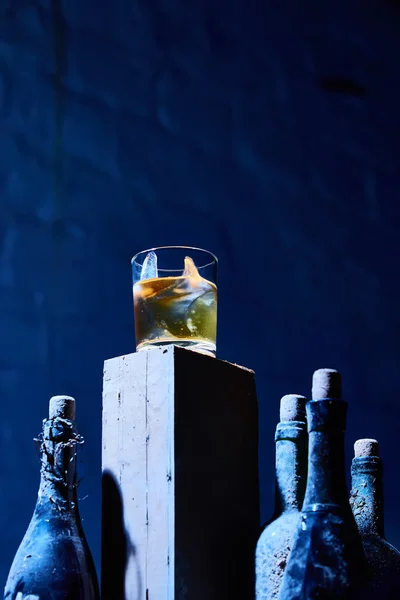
x=366, y=500
x=326, y=559
x=275, y=541
x=53, y=561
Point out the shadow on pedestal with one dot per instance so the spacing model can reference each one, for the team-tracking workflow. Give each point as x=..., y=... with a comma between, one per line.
x=117, y=546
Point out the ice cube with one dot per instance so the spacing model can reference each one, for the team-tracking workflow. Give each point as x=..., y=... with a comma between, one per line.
x=190, y=268
x=149, y=268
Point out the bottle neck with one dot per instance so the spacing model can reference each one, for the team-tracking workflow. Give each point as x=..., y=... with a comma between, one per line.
x=58, y=480
x=291, y=466
x=326, y=483
x=366, y=496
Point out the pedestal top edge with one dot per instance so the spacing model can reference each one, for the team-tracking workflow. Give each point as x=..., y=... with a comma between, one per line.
x=171, y=349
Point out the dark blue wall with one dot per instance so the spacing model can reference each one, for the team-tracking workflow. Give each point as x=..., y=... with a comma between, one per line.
x=267, y=132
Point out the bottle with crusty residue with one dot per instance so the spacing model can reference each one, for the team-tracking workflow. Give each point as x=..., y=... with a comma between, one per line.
x=53, y=561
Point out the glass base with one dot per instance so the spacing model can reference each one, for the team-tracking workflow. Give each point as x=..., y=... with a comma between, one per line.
x=203, y=347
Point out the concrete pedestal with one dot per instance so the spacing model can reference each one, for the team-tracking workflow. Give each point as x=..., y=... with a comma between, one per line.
x=180, y=477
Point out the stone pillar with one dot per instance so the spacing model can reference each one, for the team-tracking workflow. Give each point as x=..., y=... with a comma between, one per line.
x=180, y=477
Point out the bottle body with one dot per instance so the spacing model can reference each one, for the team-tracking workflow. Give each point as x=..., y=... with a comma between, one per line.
x=272, y=553
x=275, y=541
x=366, y=499
x=53, y=561
x=326, y=561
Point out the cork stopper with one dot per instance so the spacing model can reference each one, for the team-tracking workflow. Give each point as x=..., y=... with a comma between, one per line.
x=326, y=383
x=63, y=407
x=366, y=447
x=293, y=408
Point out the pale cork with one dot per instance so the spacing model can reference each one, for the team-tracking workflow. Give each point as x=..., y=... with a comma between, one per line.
x=293, y=408
x=63, y=407
x=326, y=383
x=366, y=447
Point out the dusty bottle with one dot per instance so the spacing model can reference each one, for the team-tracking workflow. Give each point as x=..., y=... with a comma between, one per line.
x=326, y=559
x=366, y=500
x=53, y=561
x=275, y=541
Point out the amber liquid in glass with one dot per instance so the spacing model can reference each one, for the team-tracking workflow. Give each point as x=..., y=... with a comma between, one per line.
x=176, y=310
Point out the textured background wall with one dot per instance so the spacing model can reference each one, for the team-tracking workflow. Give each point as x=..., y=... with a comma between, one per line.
x=266, y=132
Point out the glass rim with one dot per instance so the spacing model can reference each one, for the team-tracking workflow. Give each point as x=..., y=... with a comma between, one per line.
x=214, y=261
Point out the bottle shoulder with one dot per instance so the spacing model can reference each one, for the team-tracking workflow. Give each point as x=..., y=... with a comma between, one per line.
x=46, y=544
x=337, y=520
x=383, y=568
x=379, y=550
x=328, y=536
x=54, y=520
x=275, y=532
x=286, y=516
